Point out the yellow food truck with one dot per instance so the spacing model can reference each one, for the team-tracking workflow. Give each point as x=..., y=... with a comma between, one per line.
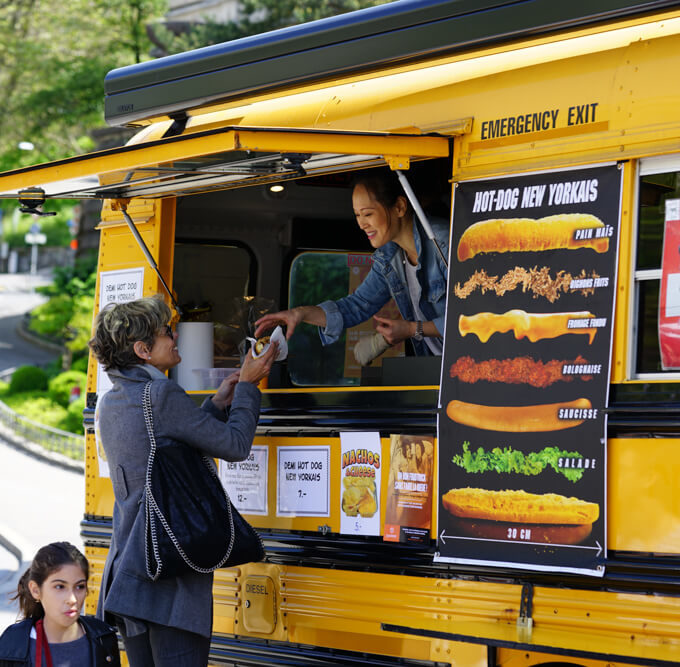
x=512, y=502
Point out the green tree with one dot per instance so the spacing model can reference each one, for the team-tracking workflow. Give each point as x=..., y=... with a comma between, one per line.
x=130, y=19
x=53, y=60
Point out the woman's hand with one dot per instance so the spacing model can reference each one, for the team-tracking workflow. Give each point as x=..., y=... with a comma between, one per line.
x=291, y=318
x=255, y=369
x=225, y=392
x=394, y=331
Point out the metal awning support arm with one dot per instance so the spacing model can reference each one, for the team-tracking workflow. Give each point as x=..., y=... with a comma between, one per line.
x=122, y=207
x=420, y=213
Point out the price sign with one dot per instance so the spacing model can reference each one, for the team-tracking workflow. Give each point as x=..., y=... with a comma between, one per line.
x=116, y=287
x=246, y=481
x=303, y=481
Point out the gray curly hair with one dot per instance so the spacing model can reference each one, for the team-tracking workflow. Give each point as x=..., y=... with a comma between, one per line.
x=118, y=326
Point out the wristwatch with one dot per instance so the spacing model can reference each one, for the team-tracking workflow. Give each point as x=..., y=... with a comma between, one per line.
x=419, y=331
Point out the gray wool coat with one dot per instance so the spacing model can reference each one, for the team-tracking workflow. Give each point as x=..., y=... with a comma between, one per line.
x=183, y=602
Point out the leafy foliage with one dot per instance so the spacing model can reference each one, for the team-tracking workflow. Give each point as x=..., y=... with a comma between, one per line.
x=38, y=408
x=28, y=378
x=80, y=361
x=67, y=315
x=53, y=60
x=60, y=386
x=73, y=421
x=79, y=278
x=26, y=395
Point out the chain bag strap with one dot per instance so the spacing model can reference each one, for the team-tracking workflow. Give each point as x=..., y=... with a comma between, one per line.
x=159, y=534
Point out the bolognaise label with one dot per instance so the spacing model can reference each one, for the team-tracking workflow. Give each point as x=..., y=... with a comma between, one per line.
x=581, y=369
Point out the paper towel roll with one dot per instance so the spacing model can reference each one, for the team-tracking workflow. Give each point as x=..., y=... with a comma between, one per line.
x=195, y=346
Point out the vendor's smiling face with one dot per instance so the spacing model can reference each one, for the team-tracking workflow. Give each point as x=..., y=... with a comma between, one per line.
x=379, y=223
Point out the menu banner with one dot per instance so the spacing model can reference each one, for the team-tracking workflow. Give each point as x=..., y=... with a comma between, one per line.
x=669, y=296
x=525, y=373
x=408, y=512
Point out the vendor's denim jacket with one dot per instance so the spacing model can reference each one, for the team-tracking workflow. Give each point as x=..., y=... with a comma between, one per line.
x=387, y=278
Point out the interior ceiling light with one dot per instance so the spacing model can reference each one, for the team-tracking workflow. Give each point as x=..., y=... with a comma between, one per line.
x=276, y=188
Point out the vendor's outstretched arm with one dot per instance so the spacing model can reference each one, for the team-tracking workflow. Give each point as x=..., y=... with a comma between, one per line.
x=291, y=318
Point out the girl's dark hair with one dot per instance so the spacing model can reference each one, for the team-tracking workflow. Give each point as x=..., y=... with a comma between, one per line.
x=118, y=326
x=47, y=561
x=384, y=186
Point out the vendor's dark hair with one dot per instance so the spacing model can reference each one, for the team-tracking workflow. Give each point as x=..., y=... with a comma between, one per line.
x=384, y=186
x=47, y=561
x=119, y=326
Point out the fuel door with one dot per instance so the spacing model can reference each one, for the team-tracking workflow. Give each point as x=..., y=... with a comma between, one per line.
x=259, y=604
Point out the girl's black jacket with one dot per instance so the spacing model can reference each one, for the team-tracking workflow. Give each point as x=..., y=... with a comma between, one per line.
x=15, y=643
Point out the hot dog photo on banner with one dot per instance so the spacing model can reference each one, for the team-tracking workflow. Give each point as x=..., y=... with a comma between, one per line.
x=525, y=372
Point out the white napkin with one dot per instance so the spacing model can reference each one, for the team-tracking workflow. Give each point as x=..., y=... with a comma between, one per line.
x=276, y=337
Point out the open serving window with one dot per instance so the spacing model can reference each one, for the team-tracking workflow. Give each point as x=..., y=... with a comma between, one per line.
x=221, y=178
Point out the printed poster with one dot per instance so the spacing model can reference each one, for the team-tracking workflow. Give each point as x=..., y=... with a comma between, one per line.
x=360, y=468
x=303, y=481
x=246, y=481
x=525, y=373
x=114, y=287
x=408, y=511
x=669, y=296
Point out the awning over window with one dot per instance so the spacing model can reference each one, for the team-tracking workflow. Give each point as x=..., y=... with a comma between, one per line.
x=220, y=159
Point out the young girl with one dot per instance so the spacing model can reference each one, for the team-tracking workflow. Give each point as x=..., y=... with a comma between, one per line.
x=51, y=594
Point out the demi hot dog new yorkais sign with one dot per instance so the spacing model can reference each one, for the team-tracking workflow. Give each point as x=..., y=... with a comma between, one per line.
x=525, y=372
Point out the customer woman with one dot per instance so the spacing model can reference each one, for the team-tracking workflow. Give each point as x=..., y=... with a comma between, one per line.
x=406, y=266
x=167, y=622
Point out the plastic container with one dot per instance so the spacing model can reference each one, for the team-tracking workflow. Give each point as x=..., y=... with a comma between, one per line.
x=211, y=378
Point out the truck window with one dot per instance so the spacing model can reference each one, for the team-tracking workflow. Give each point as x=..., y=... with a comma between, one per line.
x=659, y=180
x=321, y=276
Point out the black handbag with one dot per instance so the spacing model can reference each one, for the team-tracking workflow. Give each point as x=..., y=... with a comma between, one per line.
x=190, y=522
